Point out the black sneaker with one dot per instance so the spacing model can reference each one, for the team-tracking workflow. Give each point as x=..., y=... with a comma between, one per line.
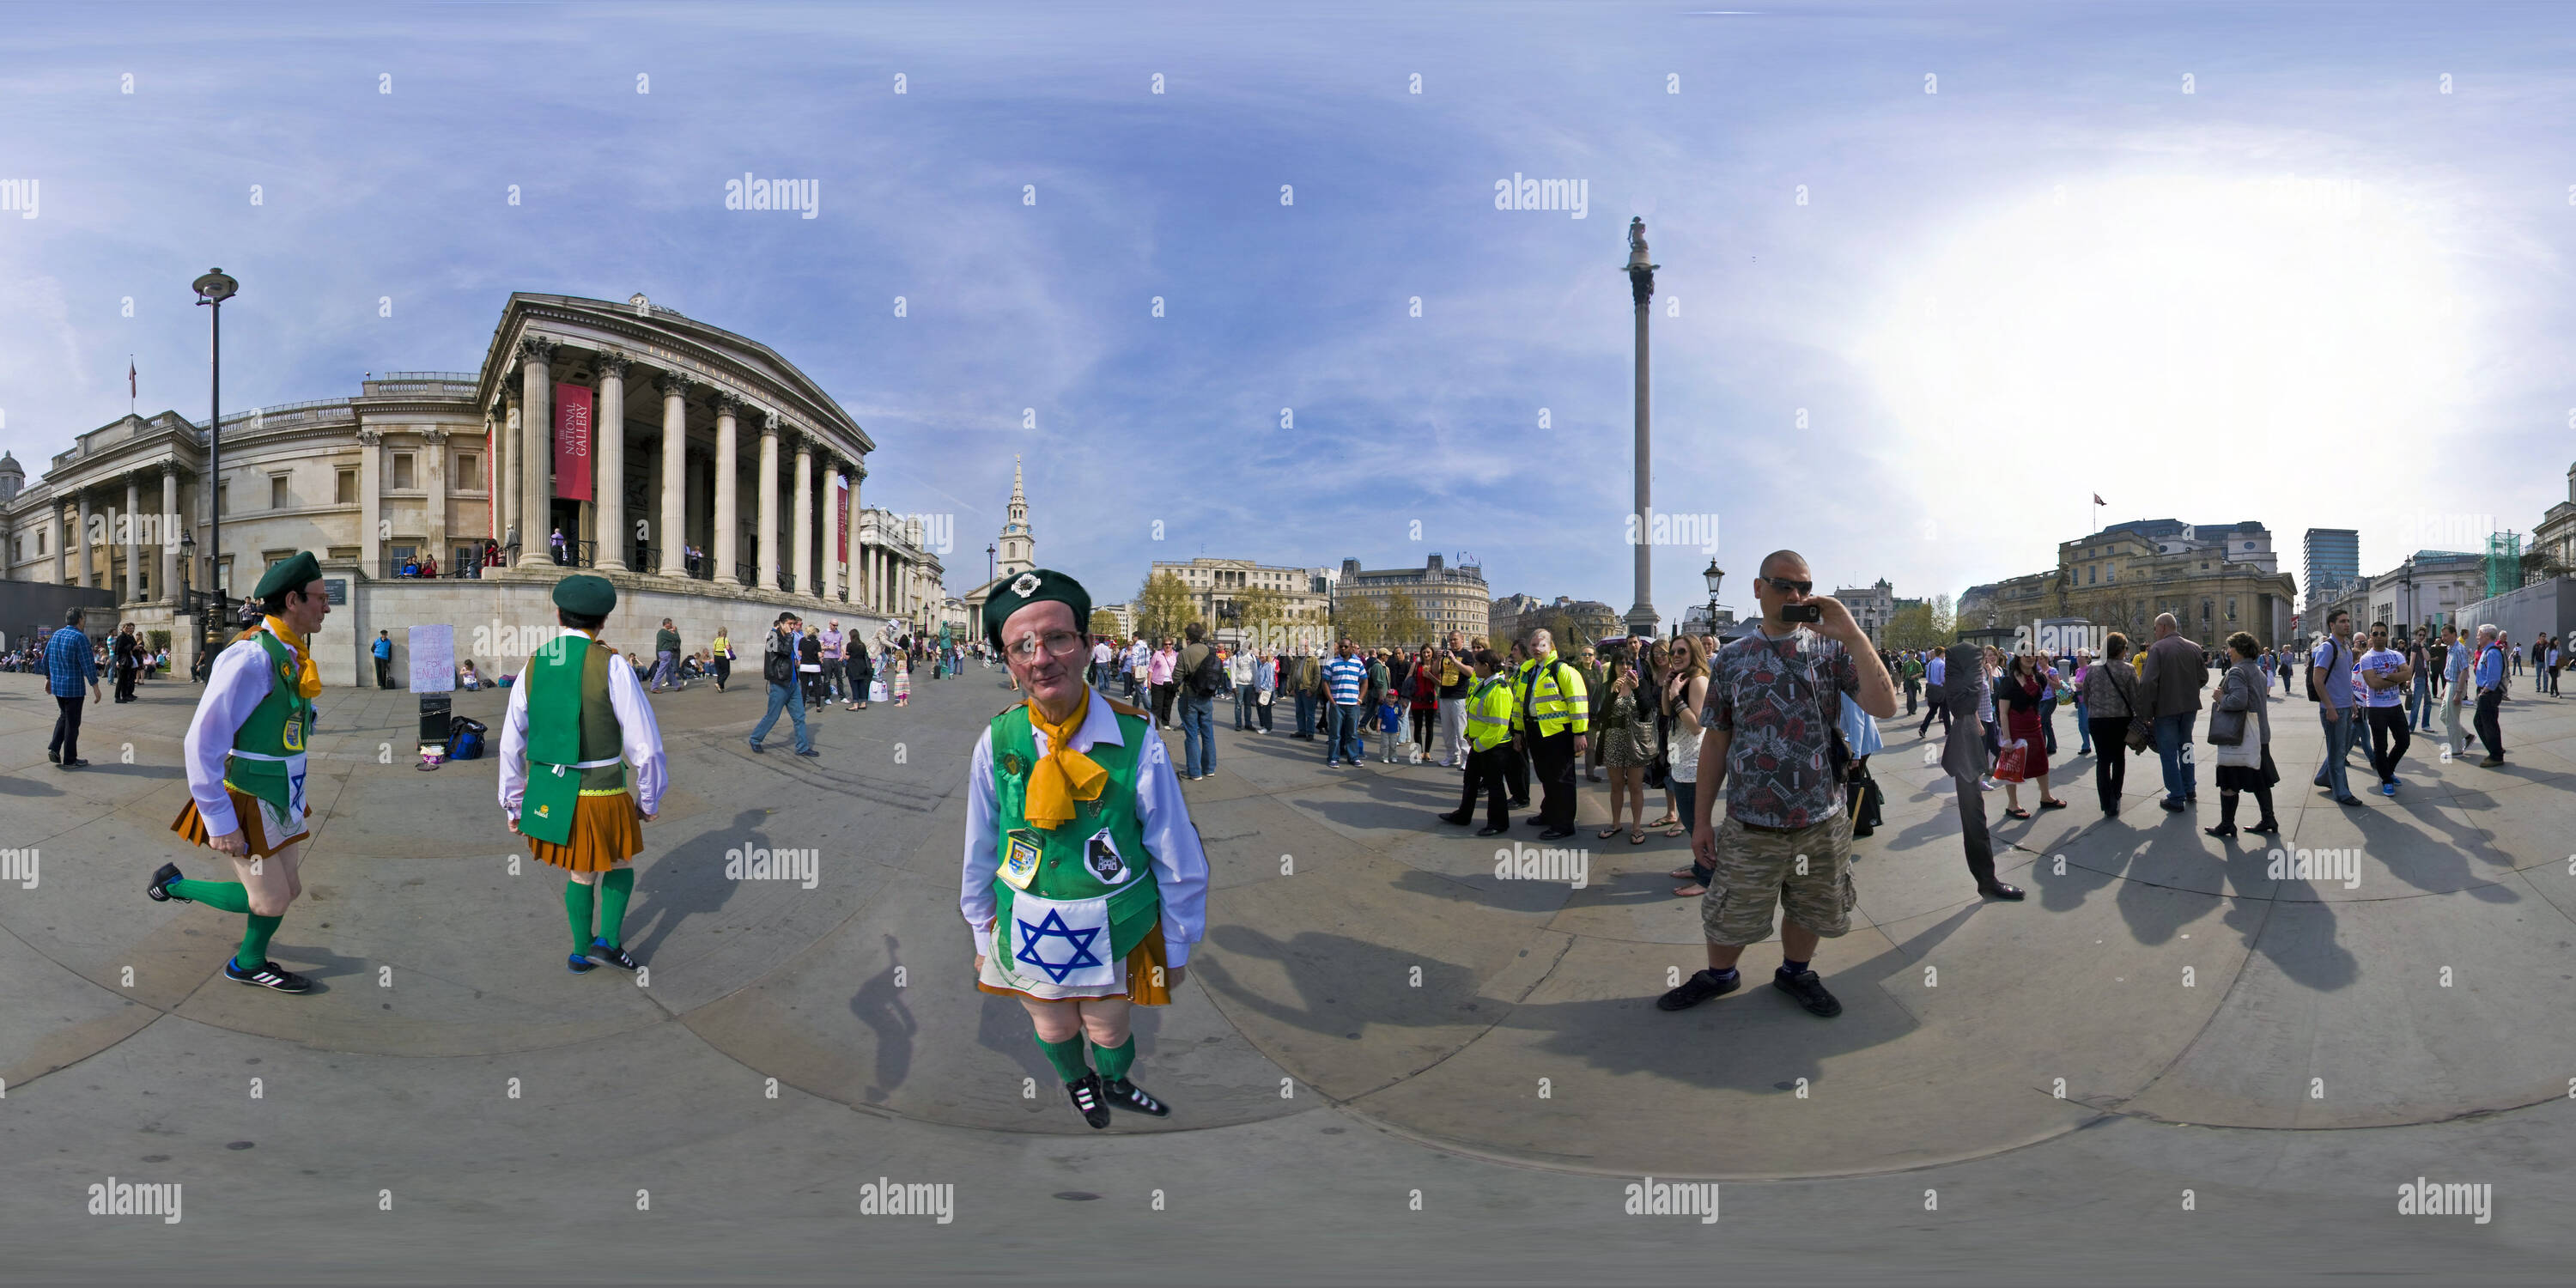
x=1810, y=992
x=1697, y=989
x=160, y=887
x=614, y=956
x=1086, y=1093
x=1128, y=1096
x=1493, y=831
x=53, y=755
x=269, y=975
x=580, y=965
x=1456, y=820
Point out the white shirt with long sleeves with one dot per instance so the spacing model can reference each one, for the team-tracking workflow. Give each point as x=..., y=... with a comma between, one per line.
x=1171, y=840
x=240, y=681
x=635, y=725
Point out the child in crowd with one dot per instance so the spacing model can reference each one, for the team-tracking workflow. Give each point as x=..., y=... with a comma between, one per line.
x=1390, y=725
x=901, y=684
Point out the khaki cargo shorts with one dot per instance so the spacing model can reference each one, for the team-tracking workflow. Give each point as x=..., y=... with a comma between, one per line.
x=1757, y=870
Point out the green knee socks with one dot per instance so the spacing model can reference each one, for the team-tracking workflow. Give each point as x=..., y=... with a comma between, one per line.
x=1115, y=1061
x=229, y=896
x=254, y=944
x=1066, y=1056
x=577, y=903
x=613, y=891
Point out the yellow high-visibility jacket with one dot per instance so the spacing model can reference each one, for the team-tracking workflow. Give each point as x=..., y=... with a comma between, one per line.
x=1489, y=713
x=1548, y=697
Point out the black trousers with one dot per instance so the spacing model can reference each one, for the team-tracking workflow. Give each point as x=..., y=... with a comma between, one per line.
x=1515, y=770
x=1485, y=777
x=384, y=673
x=1972, y=830
x=2387, y=724
x=1163, y=694
x=125, y=683
x=2110, y=758
x=2490, y=727
x=1552, y=763
x=1939, y=709
x=67, y=727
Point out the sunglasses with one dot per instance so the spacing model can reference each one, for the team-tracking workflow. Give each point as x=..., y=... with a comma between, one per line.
x=1788, y=587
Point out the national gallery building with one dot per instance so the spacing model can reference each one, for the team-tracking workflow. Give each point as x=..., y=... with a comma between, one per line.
x=701, y=472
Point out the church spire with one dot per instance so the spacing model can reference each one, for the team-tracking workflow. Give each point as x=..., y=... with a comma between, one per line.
x=1019, y=499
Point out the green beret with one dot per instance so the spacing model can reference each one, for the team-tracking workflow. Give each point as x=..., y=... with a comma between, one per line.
x=294, y=572
x=1035, y=586
x=585, y=594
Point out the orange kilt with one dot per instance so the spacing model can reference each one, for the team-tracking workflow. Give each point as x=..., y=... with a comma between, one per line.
x=191, y=825
x=607, y=829
x=1148, y=978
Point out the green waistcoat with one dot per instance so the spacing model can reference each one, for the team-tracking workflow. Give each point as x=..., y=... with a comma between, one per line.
x=276, y=727
x=570, y=722
x=1070, y=864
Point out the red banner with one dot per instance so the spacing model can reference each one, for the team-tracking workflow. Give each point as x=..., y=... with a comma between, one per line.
x=841, y=517
x=572, y=442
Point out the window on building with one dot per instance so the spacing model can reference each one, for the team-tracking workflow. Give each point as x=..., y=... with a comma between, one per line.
x=404, y=473
x=40, y=542
x=345, y=488
x=224, y=496
x=277, y=492
x=469, y=472
x=2231, y=608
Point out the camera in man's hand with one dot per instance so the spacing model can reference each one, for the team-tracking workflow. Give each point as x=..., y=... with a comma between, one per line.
x=1802, y=612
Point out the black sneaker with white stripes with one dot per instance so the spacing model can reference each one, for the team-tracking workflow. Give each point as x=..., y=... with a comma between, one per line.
x=617, y=957
x=269, y=975
x=1128, y=1096
x=160, y=887
x=1085, y=1091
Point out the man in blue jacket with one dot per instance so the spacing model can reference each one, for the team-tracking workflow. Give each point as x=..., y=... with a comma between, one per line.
x=68, y=666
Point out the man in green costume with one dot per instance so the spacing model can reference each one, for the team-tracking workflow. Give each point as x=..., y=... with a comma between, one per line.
x=245, y=756
x=1085, y=884
x=577, y=718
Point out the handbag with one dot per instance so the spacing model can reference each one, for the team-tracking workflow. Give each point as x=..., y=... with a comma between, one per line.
x=2014, y=765
x=2142, y=733
x=2226, y=727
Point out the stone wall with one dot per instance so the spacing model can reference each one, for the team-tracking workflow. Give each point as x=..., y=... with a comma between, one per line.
x=2525, y=613
x=500, y=617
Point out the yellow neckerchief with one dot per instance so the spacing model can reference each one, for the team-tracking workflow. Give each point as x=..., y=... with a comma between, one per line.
x=308, y=680
x=1063, y=775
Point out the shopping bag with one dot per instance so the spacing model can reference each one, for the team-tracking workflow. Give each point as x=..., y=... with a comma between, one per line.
x=2012, y=766
x=876, y=691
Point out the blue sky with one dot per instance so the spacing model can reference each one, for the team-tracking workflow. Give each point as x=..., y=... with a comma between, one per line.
x=2315, y=290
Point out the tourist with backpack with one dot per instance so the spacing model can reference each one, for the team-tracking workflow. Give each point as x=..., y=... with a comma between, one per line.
x=778, y=671
x=1200, y=676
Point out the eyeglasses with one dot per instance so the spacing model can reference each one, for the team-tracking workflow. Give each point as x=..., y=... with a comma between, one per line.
x=1788, y=587
x=1056, y=644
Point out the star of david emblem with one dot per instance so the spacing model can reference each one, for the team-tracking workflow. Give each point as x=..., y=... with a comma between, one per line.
x=1031, y=937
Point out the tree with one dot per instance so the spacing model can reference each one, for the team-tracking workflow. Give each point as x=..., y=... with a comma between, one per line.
x=1164, y=607
x=1921, y=626
x=1400, y=624
x=1103, y=622
x=1262, y=612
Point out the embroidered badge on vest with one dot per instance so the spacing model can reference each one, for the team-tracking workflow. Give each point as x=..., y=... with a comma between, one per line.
x=1011, y=763
x=1020, y=858
x=1101, y=855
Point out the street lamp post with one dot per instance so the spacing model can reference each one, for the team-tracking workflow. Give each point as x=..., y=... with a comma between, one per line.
x=1713, y=575
x=212, y=290
x=1641, y=286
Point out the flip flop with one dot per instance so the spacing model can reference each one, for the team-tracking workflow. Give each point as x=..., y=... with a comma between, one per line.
x=1636, y=837
x=1689, y=891
x=1607, y=833
x=2016, y=813
x=2058, y=804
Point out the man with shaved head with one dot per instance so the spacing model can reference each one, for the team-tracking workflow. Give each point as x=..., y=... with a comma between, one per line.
x=2170, y=678
x=1772, y=740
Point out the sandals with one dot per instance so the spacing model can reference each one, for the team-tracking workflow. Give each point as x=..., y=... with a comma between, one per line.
x=2055, y=804
x=1666, y=821
x=2016, y=813
x=1692, y=891
x=1636, y=836
x=1611, y=831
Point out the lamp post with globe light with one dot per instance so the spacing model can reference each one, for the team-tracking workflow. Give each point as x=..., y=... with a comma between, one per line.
x=212, y=290
x=1712, y=575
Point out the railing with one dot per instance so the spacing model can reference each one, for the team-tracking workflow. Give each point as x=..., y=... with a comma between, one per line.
x=573, y=554
x=647, y=559
x=787, y=581
x=746, y=574
x=699, y=568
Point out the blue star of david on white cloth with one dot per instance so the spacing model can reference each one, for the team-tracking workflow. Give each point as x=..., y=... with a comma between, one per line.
x=1080, y=941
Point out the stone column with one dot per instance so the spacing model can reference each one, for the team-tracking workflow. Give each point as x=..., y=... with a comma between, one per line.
x=371, y=506
x=536, y=451
x=433, y=482
x=728, y=490
x=505, y=484
x=82, y=534
x=608, y=436
x=802, y=508
x=133, y=588
x=768, y=517
x=673, y=530
x=831, y=560
x=60, y=572
x=168, y=590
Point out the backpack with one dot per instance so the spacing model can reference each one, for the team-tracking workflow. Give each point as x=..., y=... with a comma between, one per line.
x=1207, y=679
x=2333, y=648
x=465, y=739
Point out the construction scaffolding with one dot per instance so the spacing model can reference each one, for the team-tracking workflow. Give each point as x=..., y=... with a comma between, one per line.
x=2504, y=563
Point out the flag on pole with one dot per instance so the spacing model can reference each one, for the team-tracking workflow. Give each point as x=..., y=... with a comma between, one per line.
x=129, y=382
x=2097, y=499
